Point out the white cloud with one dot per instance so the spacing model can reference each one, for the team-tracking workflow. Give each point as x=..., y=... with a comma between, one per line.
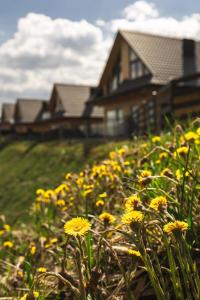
x=45, y=50
x=140, y=10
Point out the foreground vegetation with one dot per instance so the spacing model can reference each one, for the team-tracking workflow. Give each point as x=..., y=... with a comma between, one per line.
x=28, y=165
x=125, y=228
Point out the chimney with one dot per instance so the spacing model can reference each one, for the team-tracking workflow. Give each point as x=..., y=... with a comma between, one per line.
x=189, y=57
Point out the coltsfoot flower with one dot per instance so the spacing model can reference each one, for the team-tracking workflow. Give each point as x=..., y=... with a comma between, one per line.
x=77, y=226
x=32, y=248
x=176, y=226
x=144, y=177
x=7, y=227
x=159, y=203
x=167, y=172
x=107, y=218
x=132, y=203
x=132, y=217
x=134, y=252
x=25, y=297
x=163, y=155
x=42, y=270
x=190, y=136
x=8, y=244
x=60, y=202
x=99, y=203
x=181, y=151
x=156, y=139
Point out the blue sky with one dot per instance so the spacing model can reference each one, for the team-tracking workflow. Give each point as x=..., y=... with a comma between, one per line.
x=11, y=10
x=47, y=41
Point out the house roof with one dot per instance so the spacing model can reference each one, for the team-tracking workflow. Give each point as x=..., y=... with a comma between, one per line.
x=8, y=112
x=74, y=98
x=29, y=110
x=162, y=55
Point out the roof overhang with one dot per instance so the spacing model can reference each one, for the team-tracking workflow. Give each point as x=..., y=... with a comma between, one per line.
x=102, y=101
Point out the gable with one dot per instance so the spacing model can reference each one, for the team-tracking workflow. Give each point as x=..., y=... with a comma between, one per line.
x=8, y=112
x=55, y=103
x=162, y=55
x=119, y=66
x=69, y=100
x=28, y=110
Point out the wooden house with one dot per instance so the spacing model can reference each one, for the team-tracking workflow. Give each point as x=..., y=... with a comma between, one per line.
x=179, y=99
x=138, y=66
x=72, y=112
x=31, y=116
x=7, y=118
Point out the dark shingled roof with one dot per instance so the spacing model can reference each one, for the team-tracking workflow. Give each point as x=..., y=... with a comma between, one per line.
x=162, y=55
x=7, y=115
x=29, y=110
x=74, y=98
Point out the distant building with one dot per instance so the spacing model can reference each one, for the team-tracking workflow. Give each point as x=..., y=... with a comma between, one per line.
x=72, y=112
x=138, y=66
x=7, y=118
x=30, y=116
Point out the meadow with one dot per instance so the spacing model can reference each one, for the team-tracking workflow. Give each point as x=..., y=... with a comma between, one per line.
x=125, y=226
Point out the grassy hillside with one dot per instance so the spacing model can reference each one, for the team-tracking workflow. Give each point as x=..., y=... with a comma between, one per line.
x=126, y=227
x=26, y=166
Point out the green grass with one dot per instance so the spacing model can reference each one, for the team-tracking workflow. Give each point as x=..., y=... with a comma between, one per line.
x=26, y=166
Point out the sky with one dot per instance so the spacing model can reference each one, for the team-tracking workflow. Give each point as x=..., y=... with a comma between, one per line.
x=48, y=41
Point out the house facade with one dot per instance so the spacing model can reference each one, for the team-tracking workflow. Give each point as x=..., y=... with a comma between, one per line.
x=72, y=113
x=31, y=116
x=138, y=67
x=7, y=118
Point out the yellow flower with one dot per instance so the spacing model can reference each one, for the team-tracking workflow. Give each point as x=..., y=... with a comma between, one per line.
x=145, y=173
x=8, y=244
x=107, y=218
x=7, y=227
x=190, y=136
x=103, y=195
x=77, y=226
x=60, y=203
x=159, y=203
x=41, y=270
x=99, y=203
x=122, y=151
x=36, y=295
x=32, y=249
x=134, y=252
x=132, y=203
x=68, y=176
x=132, y=217
x=158, y=161
x=176, y=226
x=178, y=174
x=144, y=177
x=40, y=192
x=20, y=273
x=198, y=131
x=2, y=232
x=163, y=155
x=166, y=172
x=182, y=151
x=53, y=241
x=156, y=139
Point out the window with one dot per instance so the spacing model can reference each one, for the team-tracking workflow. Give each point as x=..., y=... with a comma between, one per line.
x=115, y=122
x=137, y=68
x=151, y=113
x=116, y=78
x=135, y=118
